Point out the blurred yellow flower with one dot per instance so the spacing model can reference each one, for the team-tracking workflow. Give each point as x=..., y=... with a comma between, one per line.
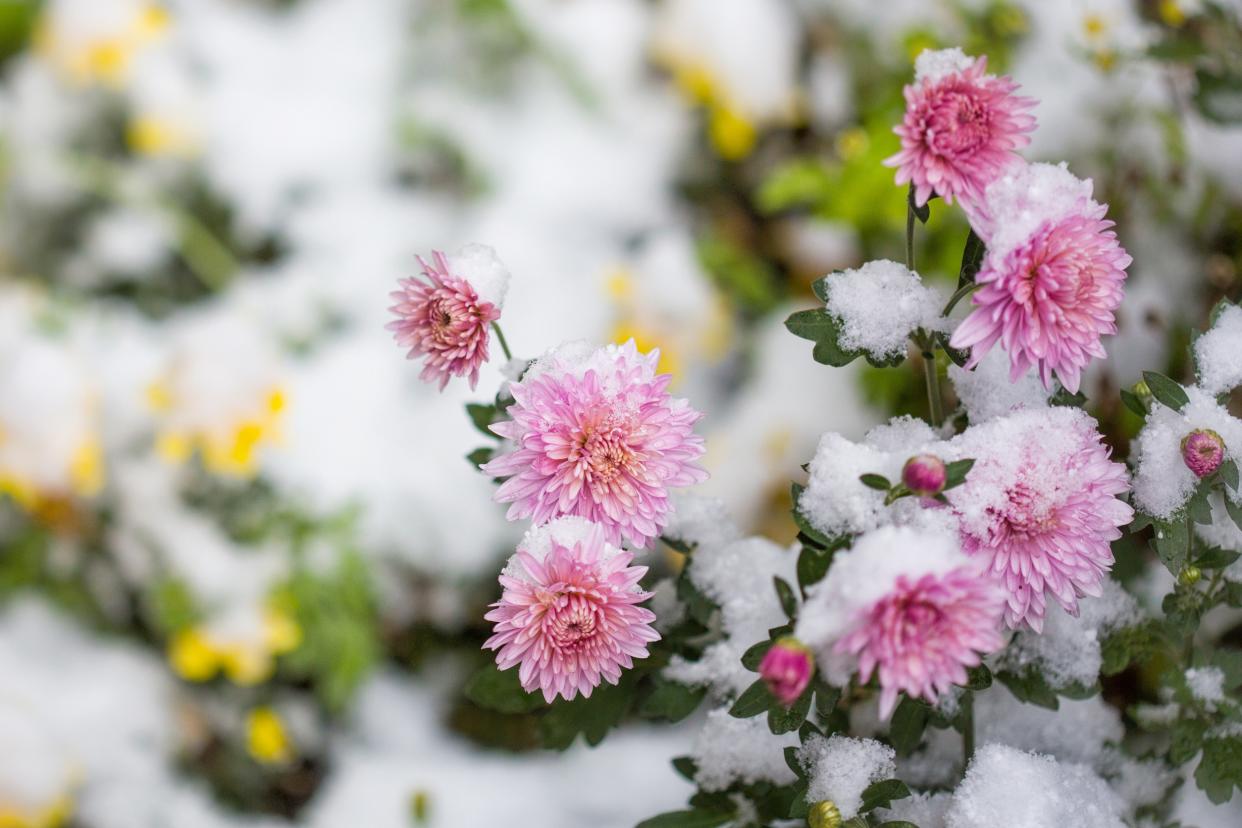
x=90, y=47
x=53, y=816
x=198, y=654
x=229, y=449
x=156, y=136
x=267, y=740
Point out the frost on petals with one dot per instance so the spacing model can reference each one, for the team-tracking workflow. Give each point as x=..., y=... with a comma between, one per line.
x=1052, y=278
x=597, y=435
x=960, y=129
x=906, y=605
x=1040, y=508
x=569, y=614
x=445, y=318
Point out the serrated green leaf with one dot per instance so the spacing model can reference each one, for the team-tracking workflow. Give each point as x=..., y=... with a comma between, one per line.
x=754, y=700
x=1166, y=391
x=1186, y=740
x=1220, y=769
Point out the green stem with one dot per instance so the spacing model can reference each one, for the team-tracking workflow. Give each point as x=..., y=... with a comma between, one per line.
x=968, y=728
x=909, y=233
x=958, y=295
x=500, y=337
x=934, y=401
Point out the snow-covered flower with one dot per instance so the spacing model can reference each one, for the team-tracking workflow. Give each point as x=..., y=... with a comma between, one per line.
x=1040, y=507
x=597, y=435
x=1052, y=278
x=446, y=319
x=569, y=614
x=960, y=129
x=908, y=606
x=1203, y=451
x=787, y=669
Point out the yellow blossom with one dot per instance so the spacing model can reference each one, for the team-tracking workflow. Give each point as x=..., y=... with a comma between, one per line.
x=267, y=740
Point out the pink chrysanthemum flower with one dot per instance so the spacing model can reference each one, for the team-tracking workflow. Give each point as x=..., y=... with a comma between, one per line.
x=445, y=319
x=922, y=635
x=569, y=613
x=960, y=129
x=597, y=435
x=1053, y=275
x=906, y=604
x=1040, y=508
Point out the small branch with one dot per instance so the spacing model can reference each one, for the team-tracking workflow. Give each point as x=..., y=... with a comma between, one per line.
x=968, y=728
x=500, y=337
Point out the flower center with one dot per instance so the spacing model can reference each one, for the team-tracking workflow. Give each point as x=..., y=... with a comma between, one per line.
x=1029, y=512
x=571, y=623
x=960, y=126
x=603, y=451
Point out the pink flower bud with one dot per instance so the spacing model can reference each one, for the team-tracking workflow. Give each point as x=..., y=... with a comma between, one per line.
x=924, y=475
x=787, y=669
x=1203, y=451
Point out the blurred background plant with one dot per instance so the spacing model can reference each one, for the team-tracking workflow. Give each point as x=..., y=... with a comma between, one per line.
x=243, y=565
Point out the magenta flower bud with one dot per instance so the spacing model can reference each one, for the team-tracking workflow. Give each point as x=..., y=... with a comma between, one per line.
x=924, y=475
x=787, y=669
x=1203, y=451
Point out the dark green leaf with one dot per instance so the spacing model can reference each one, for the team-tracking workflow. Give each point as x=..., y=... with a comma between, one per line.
x=754, y=654
x=804, y=526
x=1064, y=398
x=791, y=759
x=922, y=213
x=1129, y=645
x=812, y=565
x=821, y=328
x=881, y=794
x=972, y=258
x=1218, y=95
x=1187, y=740
x=1171, y=541
x=1030, y=687
x=783, y=719
x=876, y=481
x=1214, y=558
x=698, y=606
x=1229, y=474
x=1234, y=510
x=671, y=700
x=955, y=472
x=1220, y=770
x=482, y=416
x=1166, y=391
x=905, y=731
x=501, y=690
x=686, y=767
x=1131, y=401
x=592, y=717
x=687, y=819
x=820, y=288
x=479, y=456
x=754, y=700
x=978, y=678
x=784, y=592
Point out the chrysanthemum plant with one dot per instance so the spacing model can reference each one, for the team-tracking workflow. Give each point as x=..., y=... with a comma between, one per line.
x=935, y=560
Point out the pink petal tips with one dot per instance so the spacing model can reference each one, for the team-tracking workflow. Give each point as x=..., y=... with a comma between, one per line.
x=568, y=615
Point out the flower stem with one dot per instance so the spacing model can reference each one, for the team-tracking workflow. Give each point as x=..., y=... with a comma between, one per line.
x=500, y=337
x=934, y=401
x=968, y=728
x=910, y=232
x=960, y=294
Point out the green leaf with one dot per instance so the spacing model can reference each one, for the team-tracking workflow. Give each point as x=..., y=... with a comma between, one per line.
x=922, y=213
x=799, y=182
x=1220, y=770
x=1166, y=391
x=905, y=730
x=1215, y=558
x=1063, y=397
x=784, y=592
x=1186, y=740
x=783, y=719
x=686, y=767
x=698, y=606
x=687, y=819
x=671, y=700
x=1229, y=474
x=501, y=690
x=876, y=481
x=754, y=700
x=1131, y=401
x=1234, y=510
x=1030, y=687
x=1218, y=95
x=804, y=526
x=972, y=258
x=955, y=472
x=813, y=565
x=820, y=288
x=1171, y=542
x=881, y=794
x=822, y=328
x=755, y=653
x=978, y=678
x=592, y=717
x=479, y=456
x=1199, y=507
x=791, y=759
x=1129, y=645
x=482, y=416
x=1182, y=609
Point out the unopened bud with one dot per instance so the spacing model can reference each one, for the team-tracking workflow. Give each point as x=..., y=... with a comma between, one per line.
x=787, y=668
x=824, y=814
x=1203, y=451
x=1189, y=576
x=924, y=475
